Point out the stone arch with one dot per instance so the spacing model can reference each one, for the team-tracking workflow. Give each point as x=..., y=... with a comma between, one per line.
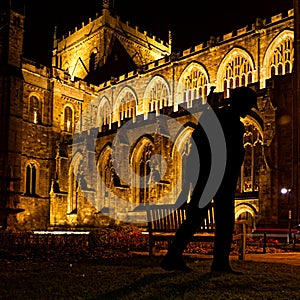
x=31, y=177
x=179, y=153
x=140, y=163
x=278, y=55
x=125, y=105
x=194, y=83
x=104, y=184
x=254, y=161
x=68, y=118
x=253, y=120
x=104, y=113
x=74, y=177
x=157, y=95
x=35, y=107
x=248, y=212
x=236, y=69
x=93, y=62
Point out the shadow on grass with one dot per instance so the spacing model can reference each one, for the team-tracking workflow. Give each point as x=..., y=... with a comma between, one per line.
x=140, y=277
x=156, y=283
x=166, y=282
x=261, y=280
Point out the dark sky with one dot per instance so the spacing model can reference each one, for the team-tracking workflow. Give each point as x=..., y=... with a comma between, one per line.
x=190, y=21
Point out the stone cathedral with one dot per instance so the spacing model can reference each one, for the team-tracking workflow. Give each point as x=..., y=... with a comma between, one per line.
x=61, y=123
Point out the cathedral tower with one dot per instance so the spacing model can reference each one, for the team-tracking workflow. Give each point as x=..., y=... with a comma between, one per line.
x=11, y=91
x=11, y=32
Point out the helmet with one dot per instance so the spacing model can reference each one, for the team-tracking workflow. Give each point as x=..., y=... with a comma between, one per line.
x=243, y=96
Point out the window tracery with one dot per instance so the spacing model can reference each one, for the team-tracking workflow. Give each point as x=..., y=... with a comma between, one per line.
x=249, y=179
x=281, y=60
x=195, y=86
x=104, y=114
x=127, y=106
x=237, y=72
x=158, y=97
x=144, y=171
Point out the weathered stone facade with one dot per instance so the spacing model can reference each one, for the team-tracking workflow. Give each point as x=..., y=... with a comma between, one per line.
x=59, y=124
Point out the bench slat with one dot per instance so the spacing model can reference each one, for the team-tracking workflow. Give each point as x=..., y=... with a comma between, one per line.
x=164, y=221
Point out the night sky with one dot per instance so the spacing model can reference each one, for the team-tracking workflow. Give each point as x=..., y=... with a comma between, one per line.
x=189, y=23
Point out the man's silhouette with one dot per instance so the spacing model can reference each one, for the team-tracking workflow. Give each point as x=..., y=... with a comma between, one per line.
x=241, y=101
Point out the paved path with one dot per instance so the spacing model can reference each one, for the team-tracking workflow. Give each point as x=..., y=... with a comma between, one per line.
x=292, y=258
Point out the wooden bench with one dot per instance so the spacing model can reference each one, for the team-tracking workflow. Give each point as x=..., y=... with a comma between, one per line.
x=164, y=220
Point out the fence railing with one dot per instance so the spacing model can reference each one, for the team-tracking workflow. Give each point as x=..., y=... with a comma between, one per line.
x=265, y=239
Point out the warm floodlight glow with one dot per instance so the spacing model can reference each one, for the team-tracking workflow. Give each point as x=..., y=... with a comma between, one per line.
x=285, y=191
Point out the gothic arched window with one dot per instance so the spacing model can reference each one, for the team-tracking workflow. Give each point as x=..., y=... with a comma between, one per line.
x=92, y=62
x=159, y=96
x=104, y=112
x=282, y=58
x=35, y=109
x=249, y=179
x=68, y=119
x=144, y=172
x=238, y=72
x=73, y=192
x=30, y=179
x=195, y=86
x=127, y=107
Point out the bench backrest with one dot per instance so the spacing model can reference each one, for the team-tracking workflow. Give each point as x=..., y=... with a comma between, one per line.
x=168, y=218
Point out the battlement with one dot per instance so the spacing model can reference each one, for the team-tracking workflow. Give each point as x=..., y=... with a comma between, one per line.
x=77, y=83
x=79, y=33
x=86, y=29
x=138, y=72
x=143, y=35
x=213, y=41
x=136, y=34
x=35, y=67
x=260, y=23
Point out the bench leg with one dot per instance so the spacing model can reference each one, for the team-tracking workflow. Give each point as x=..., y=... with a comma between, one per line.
x=242, y=244
x=151, y=247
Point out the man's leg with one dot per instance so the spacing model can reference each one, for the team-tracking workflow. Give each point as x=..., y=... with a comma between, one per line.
x=173, y=260
x=224, y=219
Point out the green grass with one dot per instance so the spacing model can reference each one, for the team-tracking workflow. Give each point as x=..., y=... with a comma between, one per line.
x=140, y=277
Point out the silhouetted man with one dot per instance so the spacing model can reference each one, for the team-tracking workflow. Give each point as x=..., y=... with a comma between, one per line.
x=241, y=101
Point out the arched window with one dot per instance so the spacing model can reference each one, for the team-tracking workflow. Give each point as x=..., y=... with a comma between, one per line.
x=249, y=179
x=195, y=86
x=104, y=186
x=143, y=172
x=282, y=57
x=127, y=108
x=103, y=113
x=31, y=179
x=238, y=72
x=35, y=109
x=68, y=119
x=159, y=96
x=92, y=62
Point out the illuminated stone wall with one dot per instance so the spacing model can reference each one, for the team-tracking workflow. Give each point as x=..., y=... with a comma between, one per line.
x=73, y=52
x=54, y=99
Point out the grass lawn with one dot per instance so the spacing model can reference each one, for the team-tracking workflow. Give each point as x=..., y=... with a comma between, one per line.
x=140, y=277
